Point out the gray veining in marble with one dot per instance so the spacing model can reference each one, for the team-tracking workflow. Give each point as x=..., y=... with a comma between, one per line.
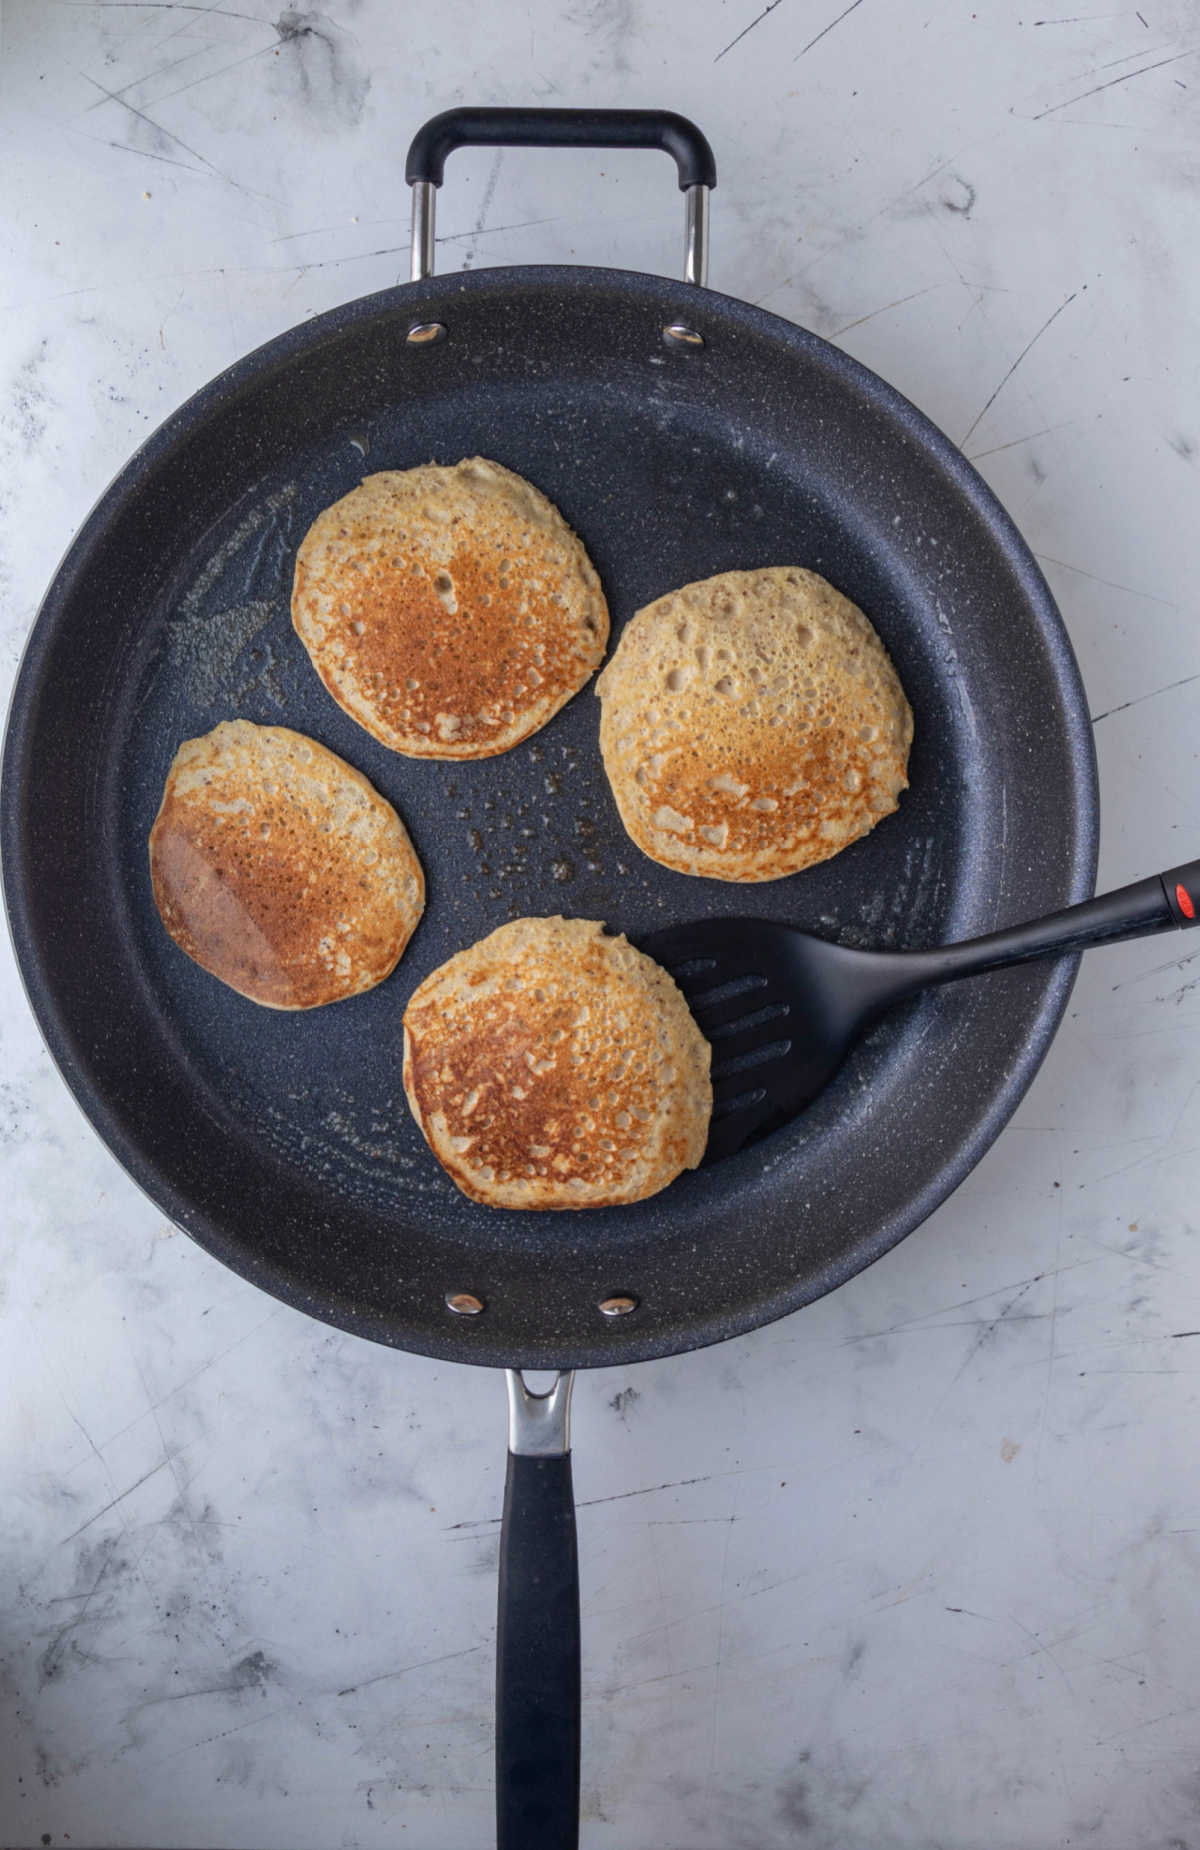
x=918, y=1566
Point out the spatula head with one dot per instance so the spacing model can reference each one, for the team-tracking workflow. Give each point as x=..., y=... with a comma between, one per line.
x=780, y=1009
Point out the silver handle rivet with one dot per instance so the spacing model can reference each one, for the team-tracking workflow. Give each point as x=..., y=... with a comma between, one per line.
x=464, y=1303
x=678, y=334
x=424, y=333
x=617, y=1306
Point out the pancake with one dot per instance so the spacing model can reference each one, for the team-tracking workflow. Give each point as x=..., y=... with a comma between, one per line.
x=752, y=724
x=451, y=611
x=551, y=1066
x=278, y=868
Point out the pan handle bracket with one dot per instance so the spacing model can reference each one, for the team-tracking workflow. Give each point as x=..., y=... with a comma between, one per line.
x=539, y=1425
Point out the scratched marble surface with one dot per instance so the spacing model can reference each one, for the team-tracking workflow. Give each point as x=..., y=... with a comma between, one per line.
x=918, y=1566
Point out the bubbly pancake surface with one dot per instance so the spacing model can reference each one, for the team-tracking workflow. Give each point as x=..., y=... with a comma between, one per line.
x=552, y=1066
x=450, y=610
x=279, y=869
x=752, y=724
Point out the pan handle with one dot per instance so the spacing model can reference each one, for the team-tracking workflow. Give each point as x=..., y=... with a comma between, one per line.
x=537, y=1633
x=561, y=128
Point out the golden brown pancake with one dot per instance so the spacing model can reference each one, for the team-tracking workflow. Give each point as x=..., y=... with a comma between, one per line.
x=451, y=611
x=551, y=1066
x=752, y=724
x=278, y=868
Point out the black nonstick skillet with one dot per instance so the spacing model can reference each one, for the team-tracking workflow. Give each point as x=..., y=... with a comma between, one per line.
x=682, y=433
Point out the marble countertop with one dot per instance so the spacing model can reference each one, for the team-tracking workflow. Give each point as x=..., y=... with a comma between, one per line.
x=917, y=1566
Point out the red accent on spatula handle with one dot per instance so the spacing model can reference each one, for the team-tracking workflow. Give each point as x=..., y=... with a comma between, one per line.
x=1182, y=888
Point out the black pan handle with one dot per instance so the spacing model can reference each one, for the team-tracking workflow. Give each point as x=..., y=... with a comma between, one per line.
x=561, y=128
x=537, y=1632
x=557, y=128
x=1152, y=905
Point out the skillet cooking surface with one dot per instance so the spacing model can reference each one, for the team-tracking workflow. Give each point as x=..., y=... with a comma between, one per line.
x=283, y=1142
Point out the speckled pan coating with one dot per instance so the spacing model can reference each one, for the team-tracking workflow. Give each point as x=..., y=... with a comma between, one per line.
x=282, y=1142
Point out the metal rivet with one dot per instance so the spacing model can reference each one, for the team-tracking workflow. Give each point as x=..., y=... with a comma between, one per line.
x=678, y=334
x=464, y=1303
x=424, y=333
x=617, y=1306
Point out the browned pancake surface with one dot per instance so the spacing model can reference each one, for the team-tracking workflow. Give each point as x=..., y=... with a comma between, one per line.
x=752, y=724
x=553, y=1066
x=451, y=611
x=279, y=869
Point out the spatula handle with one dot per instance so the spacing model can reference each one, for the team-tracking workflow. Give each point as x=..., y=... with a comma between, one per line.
x=1148, y=906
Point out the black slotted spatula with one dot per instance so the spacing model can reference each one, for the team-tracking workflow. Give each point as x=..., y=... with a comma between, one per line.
x=782, y=1009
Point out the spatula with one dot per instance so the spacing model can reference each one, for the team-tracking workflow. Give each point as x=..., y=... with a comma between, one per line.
x=782, y=1008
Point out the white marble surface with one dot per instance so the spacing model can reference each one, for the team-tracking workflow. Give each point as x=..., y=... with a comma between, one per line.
x=919, y=1566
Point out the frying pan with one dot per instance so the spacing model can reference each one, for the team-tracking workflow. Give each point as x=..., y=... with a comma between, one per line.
x=682, y=433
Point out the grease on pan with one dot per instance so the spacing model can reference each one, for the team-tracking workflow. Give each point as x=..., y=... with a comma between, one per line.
x=450, y=611
x=280, y=870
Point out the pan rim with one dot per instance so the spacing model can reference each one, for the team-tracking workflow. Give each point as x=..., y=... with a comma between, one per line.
x=472, y=1342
